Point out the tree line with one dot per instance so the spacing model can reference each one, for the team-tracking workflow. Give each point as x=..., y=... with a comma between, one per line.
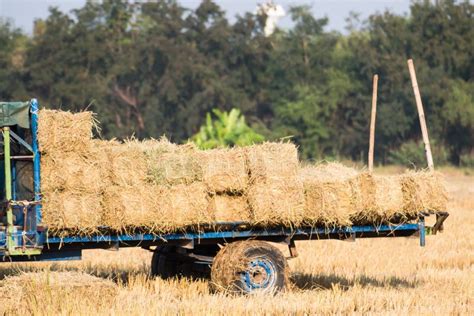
x=154, y=68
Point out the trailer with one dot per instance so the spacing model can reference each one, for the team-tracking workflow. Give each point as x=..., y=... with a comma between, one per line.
x=238, y=255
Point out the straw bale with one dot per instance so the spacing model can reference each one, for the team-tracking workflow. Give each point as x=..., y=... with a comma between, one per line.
x=229, y=208
x=170, y=164
x=363, y=195
x=15, y=290
x=328, y=194
x=127, y=162
x=272, y=162
x=423, y=191
x=327, y=170
x=389, y=196
x=376, y=198
x=277, y=204
x=73, y=172
x=71, y=280
x=62, y=131
x=126, y=208
x=224, y=170
x=183, y=205
x=76, y=212
x=155, y=208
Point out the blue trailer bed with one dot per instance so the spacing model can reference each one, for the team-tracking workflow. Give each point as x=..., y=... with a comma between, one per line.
x=23, y=238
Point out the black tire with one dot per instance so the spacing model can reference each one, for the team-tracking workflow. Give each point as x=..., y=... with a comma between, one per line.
x=173, y=261
x=162, y=263
x=250, y=266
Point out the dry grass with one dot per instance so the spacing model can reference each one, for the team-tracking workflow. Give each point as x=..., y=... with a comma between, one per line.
x=379, y=276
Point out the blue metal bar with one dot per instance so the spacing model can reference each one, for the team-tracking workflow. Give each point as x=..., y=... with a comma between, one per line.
x=421, y=227
x=232, y=234
x=21, y=141
x=14, y=180
x=36, y=158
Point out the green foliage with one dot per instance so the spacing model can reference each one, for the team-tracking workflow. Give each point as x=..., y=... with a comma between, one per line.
x=467, y=160
x=412, y=153
x=12, y=46
x=227, y=129
x=458, y=117
x=155, y=67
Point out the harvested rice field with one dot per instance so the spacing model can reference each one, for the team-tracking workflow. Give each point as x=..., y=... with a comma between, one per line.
x=379, y=276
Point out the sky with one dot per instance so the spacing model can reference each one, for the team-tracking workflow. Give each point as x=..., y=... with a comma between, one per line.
x=23, y=12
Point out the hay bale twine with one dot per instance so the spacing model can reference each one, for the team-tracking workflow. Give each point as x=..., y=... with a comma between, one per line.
x=170, y=164
x=224, y=170
x=61, y=131
x=229, y=208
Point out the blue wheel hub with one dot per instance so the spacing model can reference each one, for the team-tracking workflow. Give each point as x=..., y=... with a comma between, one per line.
x=260, y=274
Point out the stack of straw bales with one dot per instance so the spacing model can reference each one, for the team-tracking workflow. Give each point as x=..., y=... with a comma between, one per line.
x=336, y=195
x=73, y=172
x=156, y=186
x=328, y=194
x=225, y=175
x=275, y=193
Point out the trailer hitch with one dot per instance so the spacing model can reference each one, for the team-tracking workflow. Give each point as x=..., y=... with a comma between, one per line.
x=430, y=230
x=438, y=226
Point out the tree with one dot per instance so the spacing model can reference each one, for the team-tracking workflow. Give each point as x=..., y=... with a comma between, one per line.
x=12, y=46
x=458, y=114
x=155, y=67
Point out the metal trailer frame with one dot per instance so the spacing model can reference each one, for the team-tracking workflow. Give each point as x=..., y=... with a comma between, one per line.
x=27, y=240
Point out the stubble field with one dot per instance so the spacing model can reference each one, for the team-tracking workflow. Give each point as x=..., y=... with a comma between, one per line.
x=378, y=276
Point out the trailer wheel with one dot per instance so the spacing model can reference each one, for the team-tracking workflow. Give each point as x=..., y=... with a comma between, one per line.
x=163, y=264
x=249, y=266
x=174, y=261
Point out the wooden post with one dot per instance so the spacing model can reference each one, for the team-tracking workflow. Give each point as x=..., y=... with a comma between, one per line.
x=372, y=123
x=421, y=114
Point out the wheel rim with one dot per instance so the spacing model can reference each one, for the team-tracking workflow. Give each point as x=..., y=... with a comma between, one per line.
x=259, y=275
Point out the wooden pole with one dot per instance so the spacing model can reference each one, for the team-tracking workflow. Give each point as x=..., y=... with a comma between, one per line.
x=421, y=114
x=372, y=123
